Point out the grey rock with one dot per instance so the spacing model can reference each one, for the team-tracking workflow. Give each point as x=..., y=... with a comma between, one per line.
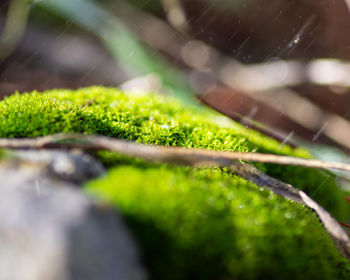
x=75, y=166
x=50, y=230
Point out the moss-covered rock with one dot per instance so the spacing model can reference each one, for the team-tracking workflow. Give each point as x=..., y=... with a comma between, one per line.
x=205, y=224
x=193, y=224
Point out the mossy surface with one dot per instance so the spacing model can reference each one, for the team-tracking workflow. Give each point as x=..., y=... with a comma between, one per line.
x=193, y=224
x=156, y=120
x=206, y=224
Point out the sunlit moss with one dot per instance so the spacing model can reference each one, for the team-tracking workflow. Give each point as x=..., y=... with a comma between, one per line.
x=155, y=120
x=192, y=224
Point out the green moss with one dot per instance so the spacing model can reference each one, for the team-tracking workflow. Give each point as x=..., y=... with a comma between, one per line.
x=193, y=224
x=205, y=224
x=156, y=120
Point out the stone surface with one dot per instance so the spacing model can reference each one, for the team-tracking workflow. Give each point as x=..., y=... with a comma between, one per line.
x=50, y=230
x=74, y=166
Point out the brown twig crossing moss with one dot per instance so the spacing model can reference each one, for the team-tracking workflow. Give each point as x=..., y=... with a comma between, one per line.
x=176, y=155
x=201, y=158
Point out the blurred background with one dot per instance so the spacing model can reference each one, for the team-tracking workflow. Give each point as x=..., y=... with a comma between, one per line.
x=282, y=67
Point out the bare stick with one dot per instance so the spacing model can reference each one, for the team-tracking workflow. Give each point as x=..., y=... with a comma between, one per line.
x=200, y=158
x=176, y=155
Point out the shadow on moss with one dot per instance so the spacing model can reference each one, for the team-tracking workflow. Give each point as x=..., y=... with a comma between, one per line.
x=205, y=224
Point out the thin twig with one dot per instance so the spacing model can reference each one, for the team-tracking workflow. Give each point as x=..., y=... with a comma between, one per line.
x=201, y=158
x=178, y=155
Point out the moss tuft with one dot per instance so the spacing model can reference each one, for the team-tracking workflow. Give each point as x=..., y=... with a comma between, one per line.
x=193, y=224
x=205, y=224
x=156, y=120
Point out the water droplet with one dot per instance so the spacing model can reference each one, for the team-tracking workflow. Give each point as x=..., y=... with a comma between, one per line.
x=38, y=187
x=288, y=215
x=296, y=39
x=113, y=104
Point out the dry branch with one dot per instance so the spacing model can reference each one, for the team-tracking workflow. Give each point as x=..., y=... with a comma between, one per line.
x=176, y=155
x=202, y=158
